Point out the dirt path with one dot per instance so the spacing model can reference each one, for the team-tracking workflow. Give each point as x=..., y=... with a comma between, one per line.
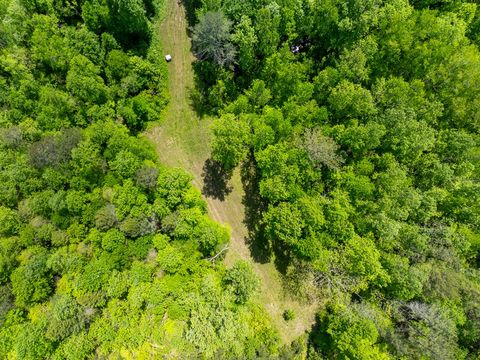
x=182, y=140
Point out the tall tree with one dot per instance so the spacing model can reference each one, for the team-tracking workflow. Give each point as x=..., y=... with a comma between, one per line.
x=211, y=39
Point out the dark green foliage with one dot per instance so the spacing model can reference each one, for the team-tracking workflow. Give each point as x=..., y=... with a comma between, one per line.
x=434, y=331
x=53, y=151
x=105, y=218
x=288, y=315
x=146, y=177
x=6, y=302
x=84, y=82
x=211, y=39
x=136, y=226
x=129, y=23
x=66, y=317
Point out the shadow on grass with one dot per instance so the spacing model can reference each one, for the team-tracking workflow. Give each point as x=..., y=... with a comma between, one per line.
x=197, y=101
x=260, y=247
x=205, y=74
x=190, y=7
x=215, y=180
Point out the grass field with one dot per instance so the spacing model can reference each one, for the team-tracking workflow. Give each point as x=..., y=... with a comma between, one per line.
x=182, y=140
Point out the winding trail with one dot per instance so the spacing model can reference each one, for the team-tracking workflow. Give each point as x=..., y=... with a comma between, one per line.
x=182, y=140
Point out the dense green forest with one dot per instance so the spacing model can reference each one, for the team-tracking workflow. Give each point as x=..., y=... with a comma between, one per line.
x=104, y=253
x=354, y=124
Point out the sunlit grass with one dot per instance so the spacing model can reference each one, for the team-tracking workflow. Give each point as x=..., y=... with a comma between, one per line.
x=182, y=140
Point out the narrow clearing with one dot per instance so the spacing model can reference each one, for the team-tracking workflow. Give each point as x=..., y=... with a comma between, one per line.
x=182, y=140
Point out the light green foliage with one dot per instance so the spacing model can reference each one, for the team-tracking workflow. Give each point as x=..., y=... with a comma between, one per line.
x=128, y=199
x=172, y=185
x=8, y=261
x=267, y=23
x=258, y=95
x=242, y=280
x=95, y=275
x=169, y=259
x=348, y=100
x=211, y=236
x=102, y=250
x=356, y=127
x=231, y=138
x=363, y=160
x=9, y=221
x=214, y=328
x=246, y=40
x=83, y=81
x=353, y=336
x=125, y=164
x=363, y=262
x=48, y=46
x=283, y=172
x=56, y=108
x=30, y=342
x=112, y=239
x=31, y=282
x=360, y=139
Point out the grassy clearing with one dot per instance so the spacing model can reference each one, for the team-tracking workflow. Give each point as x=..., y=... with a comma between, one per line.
x=182, y=140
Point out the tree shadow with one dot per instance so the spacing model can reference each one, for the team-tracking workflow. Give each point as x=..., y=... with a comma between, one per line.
x=215, y=180
x=205, y=75
x=255, y=206
x=283, y=258
x=197, y=101
x=261, y=248
x=190, y=7
x=206, y=72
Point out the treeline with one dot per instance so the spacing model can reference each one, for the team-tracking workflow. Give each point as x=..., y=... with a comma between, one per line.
x=70, y=64
x=104, y=253
x=356, y=127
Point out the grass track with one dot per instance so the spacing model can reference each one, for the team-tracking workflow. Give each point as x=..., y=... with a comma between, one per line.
x=182, y=140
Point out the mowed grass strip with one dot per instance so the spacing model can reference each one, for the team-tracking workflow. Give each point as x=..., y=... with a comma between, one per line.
x=182, y=140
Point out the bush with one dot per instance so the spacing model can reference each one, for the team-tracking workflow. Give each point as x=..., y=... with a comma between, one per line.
x=242, y=280
x=9, y=221
x=288, y=315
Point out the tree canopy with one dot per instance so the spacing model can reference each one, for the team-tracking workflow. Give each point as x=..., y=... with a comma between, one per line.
x=358, y=124
x=355, y=125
